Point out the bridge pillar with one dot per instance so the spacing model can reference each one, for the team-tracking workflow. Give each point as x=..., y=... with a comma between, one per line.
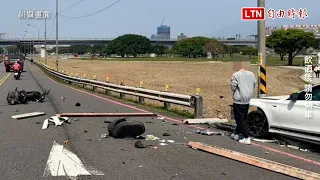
x=42, y=51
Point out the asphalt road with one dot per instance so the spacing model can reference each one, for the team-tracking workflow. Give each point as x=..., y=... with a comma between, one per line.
x=25, y=147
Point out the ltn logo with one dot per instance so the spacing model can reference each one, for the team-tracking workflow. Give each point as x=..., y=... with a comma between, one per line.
x=253, y=13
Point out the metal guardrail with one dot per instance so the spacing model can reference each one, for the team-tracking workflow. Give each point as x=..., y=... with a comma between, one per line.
x=195, y=101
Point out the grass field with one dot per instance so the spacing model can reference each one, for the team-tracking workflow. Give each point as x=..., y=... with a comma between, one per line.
x=185, y=76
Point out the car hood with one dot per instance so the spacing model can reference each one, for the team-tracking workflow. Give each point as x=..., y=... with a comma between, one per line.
x=276, y=97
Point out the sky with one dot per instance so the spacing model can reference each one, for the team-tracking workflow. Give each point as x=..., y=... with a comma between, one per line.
x=210, y=18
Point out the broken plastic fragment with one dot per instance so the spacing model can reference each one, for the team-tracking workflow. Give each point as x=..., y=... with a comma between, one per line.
x=160, y=118
x=104, y=136
x=151, y=137
x=163, y=144
x=45, y=124
x=162, y=140
x=56, y=120
x=170, y=141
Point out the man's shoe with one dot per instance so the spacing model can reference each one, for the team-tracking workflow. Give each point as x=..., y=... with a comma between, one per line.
x=245, y=141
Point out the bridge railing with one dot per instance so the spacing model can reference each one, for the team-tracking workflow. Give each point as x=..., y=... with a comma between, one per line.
x=191, y=101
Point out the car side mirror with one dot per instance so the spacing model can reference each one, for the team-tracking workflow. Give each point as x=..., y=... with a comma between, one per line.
x=294, y=97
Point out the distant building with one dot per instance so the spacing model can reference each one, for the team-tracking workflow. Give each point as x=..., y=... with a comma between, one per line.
x=163, y=33
x=182, y=36
x=315, y=28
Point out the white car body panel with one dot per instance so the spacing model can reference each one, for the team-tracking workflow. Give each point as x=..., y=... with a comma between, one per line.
x=287, y=117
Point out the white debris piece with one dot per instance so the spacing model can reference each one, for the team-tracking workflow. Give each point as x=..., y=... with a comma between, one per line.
x=170, y=141
x=33, y=114
x=56, y=120
x=45, y=124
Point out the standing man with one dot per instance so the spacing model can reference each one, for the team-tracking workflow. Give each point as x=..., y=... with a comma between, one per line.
x=317, y=70
x=243, y=83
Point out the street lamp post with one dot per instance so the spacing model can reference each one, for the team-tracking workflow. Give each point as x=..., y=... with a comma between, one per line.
x=31, y=47
x=38, y=34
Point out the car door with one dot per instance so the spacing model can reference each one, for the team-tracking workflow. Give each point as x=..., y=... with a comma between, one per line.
x=292, y=114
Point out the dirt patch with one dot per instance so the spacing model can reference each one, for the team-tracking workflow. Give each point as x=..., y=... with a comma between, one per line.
x=184, y=78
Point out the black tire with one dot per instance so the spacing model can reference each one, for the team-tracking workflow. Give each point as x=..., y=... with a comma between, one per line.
x=128, y=129
x=113, y=124
x=257, y=124
x=7, y=70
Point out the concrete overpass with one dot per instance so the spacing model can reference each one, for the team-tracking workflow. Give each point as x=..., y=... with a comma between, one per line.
x=103, y=41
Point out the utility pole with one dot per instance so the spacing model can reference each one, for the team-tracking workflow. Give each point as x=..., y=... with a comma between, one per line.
x=262, y=53
x=45, y=41
x=57, y=51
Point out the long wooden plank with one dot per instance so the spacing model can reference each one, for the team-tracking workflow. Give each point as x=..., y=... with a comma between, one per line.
x=106, y=114
x=256, y=161
x=27, y=115
x=204, y=121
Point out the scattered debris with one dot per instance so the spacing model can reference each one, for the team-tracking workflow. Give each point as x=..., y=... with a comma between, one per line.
x=266, y=152
x=163, y=140
x=122, y=128
x=256, y=161
x=123, y=162
x=76, y=119
x=107, y=121
x=206, y=132
x=164, y=121
x=66, y=142
x=103, y=136
x=149, y=122
x=140, y=166
x=264, y=140
x=184, y=137
x=221, y=97
x=225, y=126
x=166, y=134
x=38, y=122
x=27, y=115
x=106, y=114
x=163, y=144
x=139, y=144
x=304, y=150
x=204, y=121
x=89, y=140
x=175, y=124
x=155, y=147
x=170, y=141
x=45, y=124
x=140, y=137
x=78, y=104
x=85, y=131
x=151, y=138
x=162, y=118
x=56, y=120
x=63, y=98
x=65, y=119
x=293, y=147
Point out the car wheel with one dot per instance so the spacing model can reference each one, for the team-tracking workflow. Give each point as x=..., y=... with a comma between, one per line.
x=7, y=70
x=257, y=124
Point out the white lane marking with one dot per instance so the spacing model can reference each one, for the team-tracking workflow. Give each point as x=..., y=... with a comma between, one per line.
x=62, y=162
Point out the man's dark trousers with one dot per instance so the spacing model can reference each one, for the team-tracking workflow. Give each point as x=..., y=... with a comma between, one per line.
x=240, y=114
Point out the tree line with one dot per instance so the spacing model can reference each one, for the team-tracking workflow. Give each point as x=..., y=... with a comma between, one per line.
x=284, y=42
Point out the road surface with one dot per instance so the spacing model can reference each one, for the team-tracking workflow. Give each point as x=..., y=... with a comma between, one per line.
x=25, y=147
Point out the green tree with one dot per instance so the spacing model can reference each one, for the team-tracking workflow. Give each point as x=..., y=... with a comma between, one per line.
x=129, y=44
x=250, y=51
x=1, y=50
x=159, y=49
x=214, y=47
x=290, y=41
x=191, y=47
x=12, y=49
x=80, y=49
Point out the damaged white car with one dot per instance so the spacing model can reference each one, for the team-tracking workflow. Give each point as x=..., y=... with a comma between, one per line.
x=286, y=115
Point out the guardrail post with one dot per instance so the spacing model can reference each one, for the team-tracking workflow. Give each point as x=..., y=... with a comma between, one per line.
x=166, y=105
x=94, y=88
x=107, y=91
x=141, y=99
x=198, y=108
x=84, y=77
x=122, y=95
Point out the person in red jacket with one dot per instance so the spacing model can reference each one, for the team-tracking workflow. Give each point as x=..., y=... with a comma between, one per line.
x=17, y=66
